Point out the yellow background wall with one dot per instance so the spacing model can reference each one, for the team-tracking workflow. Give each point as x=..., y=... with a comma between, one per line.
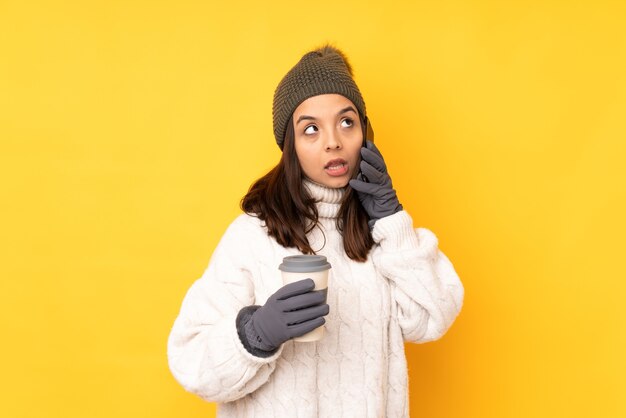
x=130, y=130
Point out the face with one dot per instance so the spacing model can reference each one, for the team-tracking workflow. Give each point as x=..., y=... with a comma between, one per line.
x=328, y=139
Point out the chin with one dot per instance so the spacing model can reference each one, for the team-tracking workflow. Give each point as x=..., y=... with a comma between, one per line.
x=337, y=183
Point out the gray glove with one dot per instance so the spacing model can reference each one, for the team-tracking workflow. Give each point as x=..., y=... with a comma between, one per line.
x=373, y=185
x=292, y=311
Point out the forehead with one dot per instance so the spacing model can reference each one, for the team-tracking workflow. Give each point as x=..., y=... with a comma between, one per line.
x=322, y=104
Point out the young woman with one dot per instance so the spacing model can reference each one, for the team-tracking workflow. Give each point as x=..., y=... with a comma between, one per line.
x=330, y=194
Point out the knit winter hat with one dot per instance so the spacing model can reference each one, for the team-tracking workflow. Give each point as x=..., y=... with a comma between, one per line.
x=325, y=70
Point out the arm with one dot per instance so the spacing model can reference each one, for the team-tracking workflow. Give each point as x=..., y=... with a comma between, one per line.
x=426, y=289
x=424, y=285
x=205, y=353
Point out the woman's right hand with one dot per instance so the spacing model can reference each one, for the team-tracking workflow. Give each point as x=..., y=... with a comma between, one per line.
x=292, y=311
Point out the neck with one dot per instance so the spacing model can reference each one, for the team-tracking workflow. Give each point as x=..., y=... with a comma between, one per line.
x=328, y=200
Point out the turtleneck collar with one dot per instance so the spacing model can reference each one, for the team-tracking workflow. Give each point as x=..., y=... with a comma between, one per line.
x=328, y=199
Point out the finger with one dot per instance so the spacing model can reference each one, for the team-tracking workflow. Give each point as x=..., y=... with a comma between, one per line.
x=385, y=195
x=361, y=186
x=371, y=146
x=295, y=288
x=302, y=315
x=375, y=159
x=372, y=174
x=367, y=188
x=306, y=300
x=298, y=330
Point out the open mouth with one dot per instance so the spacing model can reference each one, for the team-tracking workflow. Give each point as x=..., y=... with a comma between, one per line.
x=336, y=167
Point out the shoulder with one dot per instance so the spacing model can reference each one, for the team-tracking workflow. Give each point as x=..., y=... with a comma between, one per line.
x=245, y=229
x=245, y=223
x=243, y=240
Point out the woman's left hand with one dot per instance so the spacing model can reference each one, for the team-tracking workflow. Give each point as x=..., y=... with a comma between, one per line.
x=373, y=185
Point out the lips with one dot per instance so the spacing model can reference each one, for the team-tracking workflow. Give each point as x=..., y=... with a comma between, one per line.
x=336, y=168
x=336, y=163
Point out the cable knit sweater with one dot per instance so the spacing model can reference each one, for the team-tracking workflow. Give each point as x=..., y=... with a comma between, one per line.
x=407, y=290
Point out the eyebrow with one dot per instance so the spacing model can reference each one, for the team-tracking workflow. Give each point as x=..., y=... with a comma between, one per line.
x=344, y=110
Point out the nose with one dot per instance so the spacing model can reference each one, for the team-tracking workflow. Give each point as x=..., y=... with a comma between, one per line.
x=333, y=141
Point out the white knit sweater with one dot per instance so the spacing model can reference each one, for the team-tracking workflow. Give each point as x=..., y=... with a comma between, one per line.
x=407, y=290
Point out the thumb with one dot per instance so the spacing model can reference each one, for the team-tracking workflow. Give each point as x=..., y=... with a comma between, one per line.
x=361, y=186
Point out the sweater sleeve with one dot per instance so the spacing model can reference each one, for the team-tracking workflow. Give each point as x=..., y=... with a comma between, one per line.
x=424, y=285
x=205, y=353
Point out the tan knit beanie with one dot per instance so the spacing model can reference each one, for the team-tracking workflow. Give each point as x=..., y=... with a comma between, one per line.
x=325, y=70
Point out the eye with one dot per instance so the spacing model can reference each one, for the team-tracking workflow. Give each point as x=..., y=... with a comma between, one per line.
x=308, y=131
x=350, y=122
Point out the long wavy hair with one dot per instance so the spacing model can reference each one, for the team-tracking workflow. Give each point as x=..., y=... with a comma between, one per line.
x=280, y=199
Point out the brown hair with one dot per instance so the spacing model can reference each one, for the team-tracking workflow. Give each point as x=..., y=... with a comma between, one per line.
x=280, y=199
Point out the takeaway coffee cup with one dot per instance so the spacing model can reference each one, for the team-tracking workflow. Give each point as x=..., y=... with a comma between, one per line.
x=299, y=267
